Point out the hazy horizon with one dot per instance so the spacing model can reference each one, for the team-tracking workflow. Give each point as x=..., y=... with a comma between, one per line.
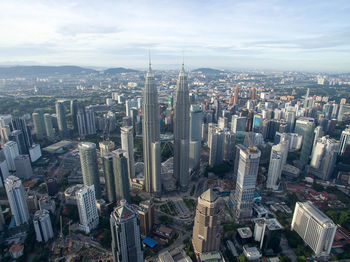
x=271, y=35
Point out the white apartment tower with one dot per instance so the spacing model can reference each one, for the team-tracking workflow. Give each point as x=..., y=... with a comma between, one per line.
x=42, y=225
x=314, y=227
x=86, y=202
x=17, y=201
x=11, y=151
x=127, y=141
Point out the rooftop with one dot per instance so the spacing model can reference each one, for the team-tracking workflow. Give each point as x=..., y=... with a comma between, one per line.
x=245, y=232
x=209, y=195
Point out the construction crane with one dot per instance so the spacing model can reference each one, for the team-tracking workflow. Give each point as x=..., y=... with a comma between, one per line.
x=251, y=145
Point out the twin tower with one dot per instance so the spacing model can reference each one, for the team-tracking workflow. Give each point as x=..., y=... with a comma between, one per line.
x=151, y=134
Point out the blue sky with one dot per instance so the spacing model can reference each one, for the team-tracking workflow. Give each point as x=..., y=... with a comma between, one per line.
x=262, y=34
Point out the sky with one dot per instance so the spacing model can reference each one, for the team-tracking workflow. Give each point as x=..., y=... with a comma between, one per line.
x=305, y=35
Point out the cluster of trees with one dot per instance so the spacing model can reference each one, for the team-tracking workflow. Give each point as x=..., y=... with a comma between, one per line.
x=189, y=249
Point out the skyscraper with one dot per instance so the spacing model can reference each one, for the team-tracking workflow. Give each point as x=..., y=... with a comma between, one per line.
x=253, y=93
x=196, y=119
x=305, y=127
x=107, y=162
x=42, y=225
x=146, y=215
x=11, y=152
x=127, y=141
x=89, y=167
x=235, y=97
x=106, y=147
x=344, y=140
x=238, y=124
x=151, y=132
x=74, y=112
x=19, y=123
x=50, y=132
x=181, y=131
x=39, y=125
x=126, y=238
x=18, y=137
x=86, y=202
x=17, y=201
x=121, y=178
x=81, y=123
x=277, y=161
x=90, y=120
x=61, y=119
x=206, y=228
x=216, y=138
x=247, y=170
x=314, y=227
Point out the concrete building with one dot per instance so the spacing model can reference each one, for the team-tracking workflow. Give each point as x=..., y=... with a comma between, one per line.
x=267, y=231
x=81, y=123
x=17, y=201
x=278, y=159
x=344, y=140
x=196, y=119
x=74, y=112
x=126, y=237
x=146, y=215
x=216, y=145
x=42, y=225
x=23, y=167
x=305, y=127
x=4, y=171
x=247, y=162
x=238, y=124
x=206, y=229
x=89, y=167
x=61, y=119
x=314, y=227
x=11, y=152
x=39, y=124
x=151, y=132
x=107, y=162
x=182, y=131
x=106, y=147
x=324, y=157
x=127, y=142
x=50, y=131
x=121, y=179
x=19, y=123
x=86, y=202
x=235, y=97
x=18, y=137
x=90, y=120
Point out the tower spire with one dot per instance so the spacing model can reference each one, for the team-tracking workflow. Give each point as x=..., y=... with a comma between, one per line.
x=149, y=72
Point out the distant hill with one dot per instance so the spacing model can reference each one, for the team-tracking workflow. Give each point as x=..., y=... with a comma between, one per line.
x=21, y=71
x=119, y=70
x=208, y=70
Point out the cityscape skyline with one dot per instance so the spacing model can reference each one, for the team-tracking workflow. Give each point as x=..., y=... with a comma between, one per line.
x=239, y=35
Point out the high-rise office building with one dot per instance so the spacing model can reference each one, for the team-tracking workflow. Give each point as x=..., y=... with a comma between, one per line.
x=253, y=93
x=90, y=120
x=121, y=178
x=216, y=137
x=314, y=227
x=19, y=123
x=17, y=201
x=277, y=161
x=146, y=215
x=4, y=170
x=81, y=123
x=206, y=228
x=127, y=141
x=23, y=167
x=86, y=202
x=107, y=161
x=305, y=127
x=74, y=112
x=61, y=119
x=126, y=237
x=50, y=132
x=106, y=147
x=182, y=131
x=238, y=124
x=39, y=124
x=235, y=97
x=196, y=119
x=247, y=170
x=42, y=225
x=18, y=137
x=151, y=132
x=89, y=167
x=344, y=140
x=324, y=157
x=11, y=152
x=229, y=146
